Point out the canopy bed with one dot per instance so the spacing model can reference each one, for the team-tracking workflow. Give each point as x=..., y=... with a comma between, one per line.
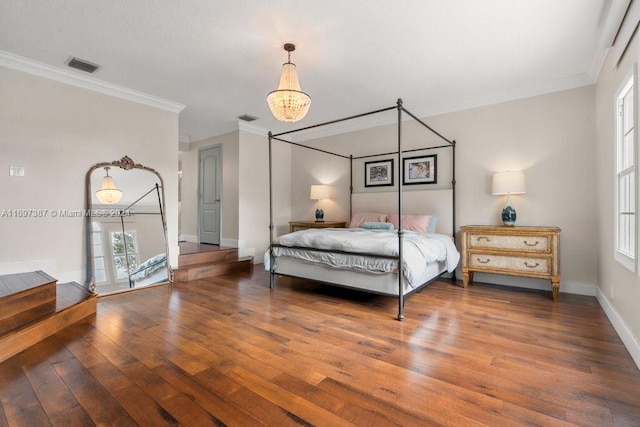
x=390, y=253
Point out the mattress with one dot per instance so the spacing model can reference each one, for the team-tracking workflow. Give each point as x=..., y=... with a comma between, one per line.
x=385, y=283
x=374, y=252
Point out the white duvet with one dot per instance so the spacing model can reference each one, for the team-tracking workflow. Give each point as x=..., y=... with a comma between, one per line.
x=418, y=250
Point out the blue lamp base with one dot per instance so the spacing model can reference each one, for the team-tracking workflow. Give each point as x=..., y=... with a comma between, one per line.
x=319, y=215
x=509, y=213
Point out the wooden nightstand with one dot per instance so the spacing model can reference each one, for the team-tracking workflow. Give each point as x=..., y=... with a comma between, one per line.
x=517, y=251
x=303, y=225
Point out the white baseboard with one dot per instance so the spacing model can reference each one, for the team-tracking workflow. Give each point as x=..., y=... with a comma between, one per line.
x=48, y=265
x=621, y=327
x=188, y=238
x=528, y=283
x=230, y=243
x=174, y=253
x=240, y=244
x=245, y=252
x=77, y=276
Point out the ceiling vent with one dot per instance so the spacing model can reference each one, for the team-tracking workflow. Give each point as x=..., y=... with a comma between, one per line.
x=247, y=118
x=82, y=65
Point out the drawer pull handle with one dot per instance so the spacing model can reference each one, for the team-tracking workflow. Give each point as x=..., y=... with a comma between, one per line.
x=483, y=238
x=483, y=262
x=531, y=244
x=526, y=263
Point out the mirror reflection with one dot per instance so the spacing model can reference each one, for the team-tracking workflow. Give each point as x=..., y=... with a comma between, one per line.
x=128, y=248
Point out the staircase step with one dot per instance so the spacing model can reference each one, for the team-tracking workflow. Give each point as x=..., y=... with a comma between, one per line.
x=204, y=270
x=25, y=291
x=73, y=303
x=221, y=255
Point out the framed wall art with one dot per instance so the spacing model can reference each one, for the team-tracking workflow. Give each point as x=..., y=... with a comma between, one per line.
x=420, y=170
x=378, y=173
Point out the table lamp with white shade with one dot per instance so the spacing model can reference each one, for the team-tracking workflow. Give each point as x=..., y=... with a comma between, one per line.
x=319, y=192
x=508, y=182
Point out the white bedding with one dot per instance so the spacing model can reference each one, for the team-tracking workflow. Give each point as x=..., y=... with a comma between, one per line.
x=149, y=267
x=419, y=250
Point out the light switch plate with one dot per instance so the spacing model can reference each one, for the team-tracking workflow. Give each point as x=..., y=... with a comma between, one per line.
x=16, y=171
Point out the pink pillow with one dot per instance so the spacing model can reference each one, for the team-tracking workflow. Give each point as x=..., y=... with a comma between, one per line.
x=418, y=223
x=359, y=218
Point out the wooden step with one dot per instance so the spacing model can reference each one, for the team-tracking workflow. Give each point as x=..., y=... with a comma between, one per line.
x=73, y=303
x=207, y=269
x=221, y=255
x=24, y=291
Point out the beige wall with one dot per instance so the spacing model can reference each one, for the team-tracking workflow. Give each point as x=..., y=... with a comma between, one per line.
x=550, y=137
x=313, y=167
x=189, y=159
x=619, y=288
x=57, y=132
x=254, y=192
x=245, y=194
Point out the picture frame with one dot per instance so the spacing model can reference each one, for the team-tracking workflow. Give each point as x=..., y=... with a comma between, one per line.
x=378, y=173
x=420, y=170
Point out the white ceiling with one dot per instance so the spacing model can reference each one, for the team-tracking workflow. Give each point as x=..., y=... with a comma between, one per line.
x=221, y=58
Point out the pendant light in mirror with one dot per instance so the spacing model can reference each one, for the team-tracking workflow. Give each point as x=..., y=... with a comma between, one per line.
x=109, y=193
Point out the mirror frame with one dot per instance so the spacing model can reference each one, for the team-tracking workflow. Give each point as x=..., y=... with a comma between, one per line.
x=125, y=163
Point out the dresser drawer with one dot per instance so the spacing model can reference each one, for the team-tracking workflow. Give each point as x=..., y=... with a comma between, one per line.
x=514, y=264
x=497, y=241
x=516, y=251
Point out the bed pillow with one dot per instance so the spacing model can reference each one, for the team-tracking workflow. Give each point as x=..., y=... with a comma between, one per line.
x=360, y=218
x=417, y=223
x=378, y=226
x=433, y=222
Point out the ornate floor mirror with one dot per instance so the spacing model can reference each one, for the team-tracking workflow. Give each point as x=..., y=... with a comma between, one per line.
x=126, y=228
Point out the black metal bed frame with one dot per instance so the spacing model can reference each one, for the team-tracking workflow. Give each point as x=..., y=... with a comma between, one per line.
x=400, y=108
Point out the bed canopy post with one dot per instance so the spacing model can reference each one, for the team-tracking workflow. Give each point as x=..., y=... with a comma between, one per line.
x=453, y=194
x=350, y=186
x=400, y=232
x=271, y=260
x=453, y=184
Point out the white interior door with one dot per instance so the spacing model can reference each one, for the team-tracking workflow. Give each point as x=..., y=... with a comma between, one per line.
x=209, y=199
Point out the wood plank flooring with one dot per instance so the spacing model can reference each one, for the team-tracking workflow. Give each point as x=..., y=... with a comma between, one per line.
x=228, y=351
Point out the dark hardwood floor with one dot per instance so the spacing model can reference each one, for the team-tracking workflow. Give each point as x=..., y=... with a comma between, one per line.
x=228, y=351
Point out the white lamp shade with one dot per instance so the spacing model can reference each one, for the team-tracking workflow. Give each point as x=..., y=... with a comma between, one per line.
x=509, y=182
x=109, y=193
x=319, y=192
x=289, y=103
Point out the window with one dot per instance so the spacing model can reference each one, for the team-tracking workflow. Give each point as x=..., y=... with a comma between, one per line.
x=125, y=253
x=98, y=253
x=626, y=176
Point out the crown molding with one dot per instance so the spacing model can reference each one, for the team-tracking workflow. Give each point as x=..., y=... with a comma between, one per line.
x=612, y=22
x=29, y=66
x=229, y=127
x=254, y=129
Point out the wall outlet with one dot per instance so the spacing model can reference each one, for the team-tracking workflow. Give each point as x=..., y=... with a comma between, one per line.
x=16, y=171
